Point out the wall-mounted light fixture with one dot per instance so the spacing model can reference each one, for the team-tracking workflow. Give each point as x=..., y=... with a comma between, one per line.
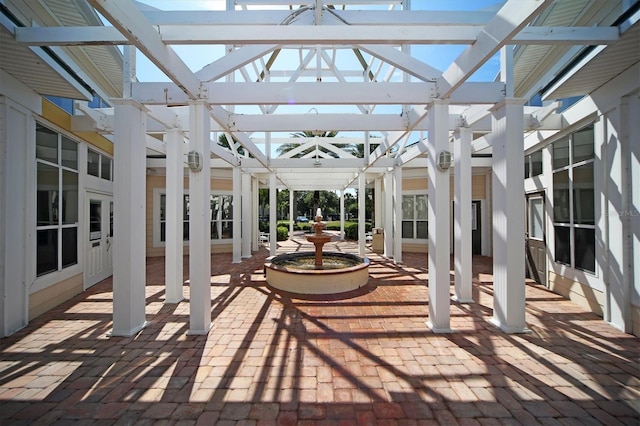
x=194, y=160
x=444, y=161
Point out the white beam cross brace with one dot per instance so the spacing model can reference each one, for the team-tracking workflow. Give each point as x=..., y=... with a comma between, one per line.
x=126, y=17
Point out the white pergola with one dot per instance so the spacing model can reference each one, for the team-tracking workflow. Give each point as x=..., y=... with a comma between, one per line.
x=318, y=66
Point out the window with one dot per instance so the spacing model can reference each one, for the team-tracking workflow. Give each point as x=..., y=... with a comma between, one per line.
x=56, y=201
x=65, y=104
x=163, y=217
x=99, y=165
x=536, y=218
x=415, y=216
x=533, y=164
x=221, y=217
x=98, y=102
x=574, y=200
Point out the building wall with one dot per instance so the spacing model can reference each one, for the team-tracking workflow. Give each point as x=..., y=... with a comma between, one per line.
x=14, y=236
x=24, y=295
x=478, y=185
x=580, y=293
x=52, y=296
x=613, y=289
x=478, y=192
x=157, y=183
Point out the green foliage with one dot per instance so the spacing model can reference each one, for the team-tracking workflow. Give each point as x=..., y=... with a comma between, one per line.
x=282, y=233
x=351, y=230
x=302, y=226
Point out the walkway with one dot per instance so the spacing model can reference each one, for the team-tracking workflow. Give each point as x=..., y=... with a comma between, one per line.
x=272, y=359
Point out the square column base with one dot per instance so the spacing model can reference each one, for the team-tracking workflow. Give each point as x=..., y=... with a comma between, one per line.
x=200, y=332
x=439, y=330
x=128, y=333
x=462, y=299
x=509, y=330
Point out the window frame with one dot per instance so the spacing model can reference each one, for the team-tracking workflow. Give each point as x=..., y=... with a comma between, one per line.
x=415, y=219
x=101, y=157
x=572, y=224
x=529, y=162
x=60, y=226
x=158, y=193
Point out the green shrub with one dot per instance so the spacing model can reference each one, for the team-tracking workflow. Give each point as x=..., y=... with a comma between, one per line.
x=351, y=230
x=282, y=233
x=304, y=226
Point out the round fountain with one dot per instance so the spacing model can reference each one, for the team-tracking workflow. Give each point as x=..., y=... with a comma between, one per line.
x=318, y=272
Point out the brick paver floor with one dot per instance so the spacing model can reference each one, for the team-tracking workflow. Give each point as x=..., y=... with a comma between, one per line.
x=274, y=359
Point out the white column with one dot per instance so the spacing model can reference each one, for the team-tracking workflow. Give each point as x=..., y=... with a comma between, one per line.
x=236, y=245
x=361, y=214
x=620, y=150
x=199, y=222
x=342, y=215
x=633, y=199
x=247, y=208
x=508, y=216
x=254, y=215
x=17, y=213
x=377, y=203
x=129, y=221
x=388, y=215
x=292, y=201
x=438, y=194
x=174, y=217
x=462, y=212
x=397, y=215
x=272, y=215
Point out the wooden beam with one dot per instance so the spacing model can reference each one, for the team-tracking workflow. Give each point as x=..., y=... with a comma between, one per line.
x=510, y=19
x=309, y=34
x=130, y=22
x=313, y=93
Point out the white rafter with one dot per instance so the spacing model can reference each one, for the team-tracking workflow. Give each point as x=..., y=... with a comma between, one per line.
x=295, y=35
x=509, y=20
x=127, y=19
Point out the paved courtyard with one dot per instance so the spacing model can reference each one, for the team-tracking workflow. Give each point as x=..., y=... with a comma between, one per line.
x=274, y=359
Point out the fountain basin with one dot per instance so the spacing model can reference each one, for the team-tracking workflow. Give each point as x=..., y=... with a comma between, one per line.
x=297, y=273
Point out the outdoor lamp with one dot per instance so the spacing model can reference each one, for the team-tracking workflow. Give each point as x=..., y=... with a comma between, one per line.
x=444, y=161
x=194, y=160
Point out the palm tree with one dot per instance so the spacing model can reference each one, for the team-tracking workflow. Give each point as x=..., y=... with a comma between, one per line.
x=286, y=147
x=224, y=142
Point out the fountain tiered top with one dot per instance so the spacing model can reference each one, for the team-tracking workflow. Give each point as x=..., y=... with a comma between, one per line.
x=318, y=239
x=318, y=225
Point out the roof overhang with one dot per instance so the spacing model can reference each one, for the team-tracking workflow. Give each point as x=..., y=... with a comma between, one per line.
x=38, y=67
x=597, y=64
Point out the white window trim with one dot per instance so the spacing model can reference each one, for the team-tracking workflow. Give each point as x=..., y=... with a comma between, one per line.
x=157, y=192
x=570, y=271
x=102, y=153
x=414, y=240
x=44, y=281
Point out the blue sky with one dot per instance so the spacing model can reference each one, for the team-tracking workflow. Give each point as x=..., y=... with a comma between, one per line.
x=437, y=56
x=440, y=57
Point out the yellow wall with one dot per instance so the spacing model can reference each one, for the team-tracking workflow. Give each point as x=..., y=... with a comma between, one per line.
x=478, y=188
x=50, y=297
x=581, y=294
x=478, y=192
x=61, y=118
